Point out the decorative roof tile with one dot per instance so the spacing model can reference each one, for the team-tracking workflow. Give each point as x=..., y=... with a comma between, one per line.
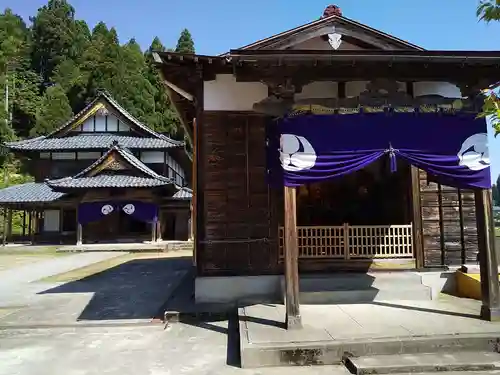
x=92, y=141
x=183, y=193
x=31, y=192
x=106, y=181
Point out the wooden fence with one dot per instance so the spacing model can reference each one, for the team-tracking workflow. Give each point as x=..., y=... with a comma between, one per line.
x=352, y=242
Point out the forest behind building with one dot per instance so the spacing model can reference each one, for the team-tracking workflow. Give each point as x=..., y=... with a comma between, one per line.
x=53, y=64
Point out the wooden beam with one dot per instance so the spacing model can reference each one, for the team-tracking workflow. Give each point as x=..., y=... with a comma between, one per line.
x=292, y=304
x=418, y=248
x=488, y=263
x=178, y=90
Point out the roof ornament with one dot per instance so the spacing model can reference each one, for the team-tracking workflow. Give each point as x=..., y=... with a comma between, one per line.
x=332, y=10
x=114, y=143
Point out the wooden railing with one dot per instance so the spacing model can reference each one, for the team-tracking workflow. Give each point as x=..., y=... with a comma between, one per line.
x=352, y=242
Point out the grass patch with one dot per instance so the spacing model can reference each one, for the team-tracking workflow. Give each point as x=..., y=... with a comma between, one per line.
x=31, y=250
x=95, y=268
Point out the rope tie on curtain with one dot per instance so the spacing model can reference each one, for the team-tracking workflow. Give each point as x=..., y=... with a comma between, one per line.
x=392, y=157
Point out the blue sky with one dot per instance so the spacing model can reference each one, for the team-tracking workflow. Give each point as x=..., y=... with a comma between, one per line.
x=218, y=25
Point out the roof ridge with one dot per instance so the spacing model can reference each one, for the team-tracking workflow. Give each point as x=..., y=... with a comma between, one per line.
x=319, y=22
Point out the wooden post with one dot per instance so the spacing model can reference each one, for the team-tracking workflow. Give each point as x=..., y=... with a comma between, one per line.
x=79, y=230
x=194, y=177
x=292, y=304
x=153, y=231
x=4, y=231
x=24, y=224
x=158, y=230
x=9, y=225
x=416, y=214
x=30, y=225
x=488, y=264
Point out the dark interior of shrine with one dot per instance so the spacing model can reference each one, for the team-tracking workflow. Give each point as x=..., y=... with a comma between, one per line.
x=373, y=195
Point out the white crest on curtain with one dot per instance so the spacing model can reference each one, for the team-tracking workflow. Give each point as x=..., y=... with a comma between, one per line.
x=474, y=153
x=107, y=209
x=129, y=209
x=292, y=157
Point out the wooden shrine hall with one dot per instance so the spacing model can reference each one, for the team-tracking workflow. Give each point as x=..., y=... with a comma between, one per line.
x=101, y=177
x=334, y=147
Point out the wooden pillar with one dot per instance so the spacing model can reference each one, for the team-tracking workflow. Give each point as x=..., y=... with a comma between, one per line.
x=24, y=224
x=79, y=229
x=4, y=228
x=292, y=304
x=153, y=231
x=488, y=263
x=30, y=224
x=416, y=215
x=9, y=225
x=158, y=229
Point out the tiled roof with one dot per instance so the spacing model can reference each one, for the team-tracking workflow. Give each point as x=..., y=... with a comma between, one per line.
x=31, y=192
x=51, y=142
x=183, y=193
x=92, y=141
x=82, y=180
x=106, y=181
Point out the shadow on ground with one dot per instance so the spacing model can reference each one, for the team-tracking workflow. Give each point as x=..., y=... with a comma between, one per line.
x=133, y=290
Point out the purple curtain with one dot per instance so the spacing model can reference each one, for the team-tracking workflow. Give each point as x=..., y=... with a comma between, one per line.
x=142, y=211
x=309, y=148
x=95, y=211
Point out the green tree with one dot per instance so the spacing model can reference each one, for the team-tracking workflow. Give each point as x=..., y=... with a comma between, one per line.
x=54, y=111
x=185, y=43
x=15, y=75
x=489, y=10
x=163, y=119
x=55, y=36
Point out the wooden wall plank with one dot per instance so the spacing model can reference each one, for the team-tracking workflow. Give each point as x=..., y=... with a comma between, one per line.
x=448, y=224
x=239, y=220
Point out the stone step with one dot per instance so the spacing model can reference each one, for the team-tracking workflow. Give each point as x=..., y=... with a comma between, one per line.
x=423, y=363
x=366, y=295
x=356, y=281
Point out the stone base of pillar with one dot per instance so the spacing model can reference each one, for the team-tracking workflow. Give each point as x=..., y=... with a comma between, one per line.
x=293, y=322
x=490, y=314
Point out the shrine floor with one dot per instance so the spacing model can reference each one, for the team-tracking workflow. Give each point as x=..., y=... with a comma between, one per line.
x=329, y=332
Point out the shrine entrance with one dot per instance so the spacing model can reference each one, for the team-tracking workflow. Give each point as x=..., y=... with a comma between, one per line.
x=362, y=215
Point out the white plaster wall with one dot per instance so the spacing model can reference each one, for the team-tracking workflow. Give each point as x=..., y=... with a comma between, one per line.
x=51, y=221
x=112, y=124
x=100, y=123
x=446, y=89
x=323, y=89
x=63, y=156
x=225, y=94
x=88, y=155
x=152, y=157
x=354, y=88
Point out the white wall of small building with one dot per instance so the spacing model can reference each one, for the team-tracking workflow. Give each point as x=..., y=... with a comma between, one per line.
x=102, y=124
x=225, y=94
x=51, y=220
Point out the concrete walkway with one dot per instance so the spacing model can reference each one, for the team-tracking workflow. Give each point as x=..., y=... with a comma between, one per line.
x=377, y=328
x=17, y=285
